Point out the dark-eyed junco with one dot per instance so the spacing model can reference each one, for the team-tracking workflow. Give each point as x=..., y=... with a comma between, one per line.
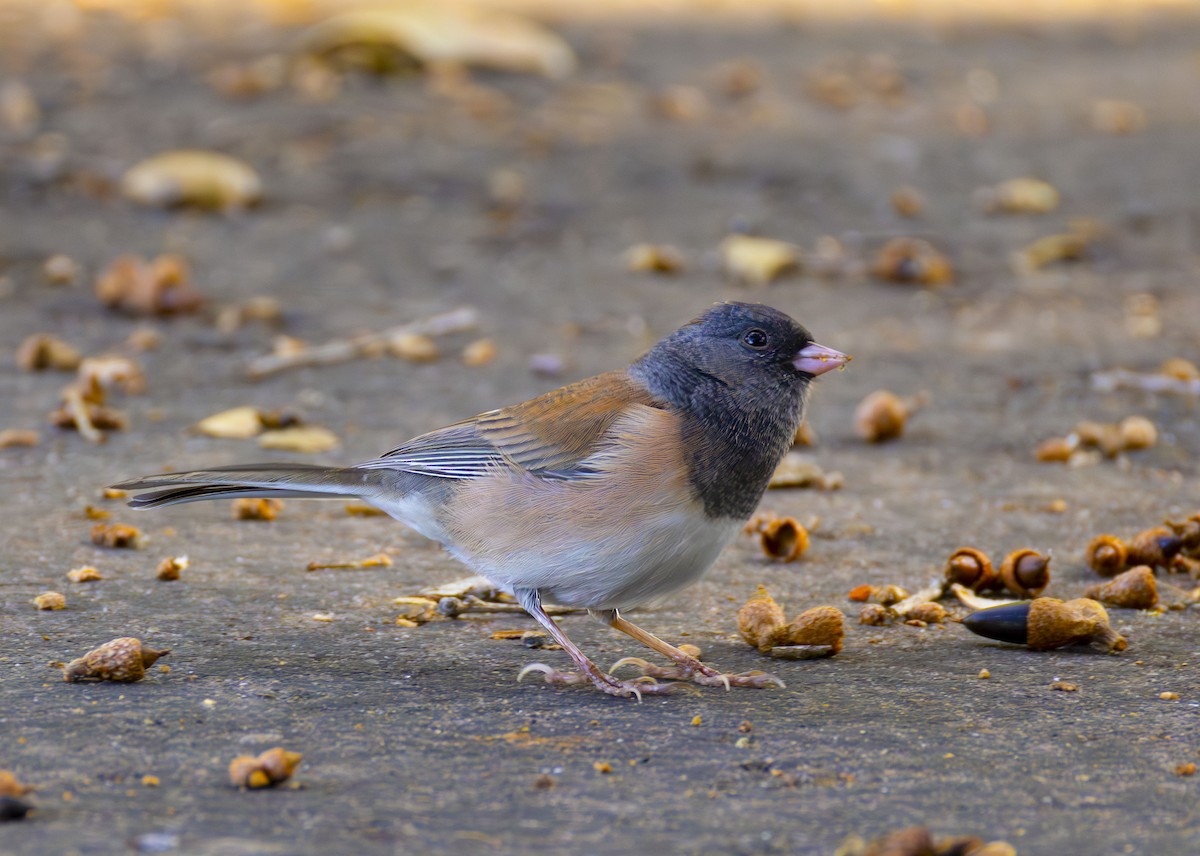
x=604, y=494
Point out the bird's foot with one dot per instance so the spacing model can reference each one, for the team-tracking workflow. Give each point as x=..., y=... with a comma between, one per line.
x=635, y=689
x=699, y=673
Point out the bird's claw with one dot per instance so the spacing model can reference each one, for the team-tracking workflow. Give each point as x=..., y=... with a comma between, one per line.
x=704, y=676
x=635, y=688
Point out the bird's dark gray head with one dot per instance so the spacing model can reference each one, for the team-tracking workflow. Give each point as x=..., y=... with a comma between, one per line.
x=745, y=348
x=738, y=375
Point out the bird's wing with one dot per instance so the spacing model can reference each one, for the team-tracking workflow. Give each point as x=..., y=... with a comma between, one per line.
x=548, y=436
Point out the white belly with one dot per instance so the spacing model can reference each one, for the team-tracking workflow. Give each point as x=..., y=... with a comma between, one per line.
x=623, y=571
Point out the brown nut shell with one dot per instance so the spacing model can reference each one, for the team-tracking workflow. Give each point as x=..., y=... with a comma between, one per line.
x=270, y=768
x=123, y=660
x=1134, y=589
x=1025, y=573
x=875, y=615
x=760, y=619
x=972, y=568
x=1107, y=555
x=880, y=417
x=784, y=539
x=930, y=612
x=821, y=625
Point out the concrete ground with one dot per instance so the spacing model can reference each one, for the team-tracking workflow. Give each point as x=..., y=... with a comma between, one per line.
x=391, y=199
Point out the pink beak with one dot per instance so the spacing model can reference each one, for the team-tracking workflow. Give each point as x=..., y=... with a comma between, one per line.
x=817, y=359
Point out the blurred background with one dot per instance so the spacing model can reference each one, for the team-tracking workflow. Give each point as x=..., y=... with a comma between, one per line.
x=370, y=219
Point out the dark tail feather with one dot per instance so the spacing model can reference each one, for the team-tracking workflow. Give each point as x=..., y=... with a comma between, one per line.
x=298, y=481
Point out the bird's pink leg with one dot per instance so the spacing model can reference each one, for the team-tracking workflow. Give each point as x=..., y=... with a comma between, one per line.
x=687, y=668
x=588, y=671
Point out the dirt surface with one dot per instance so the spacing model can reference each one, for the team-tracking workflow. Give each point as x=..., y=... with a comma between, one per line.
x=383, y=203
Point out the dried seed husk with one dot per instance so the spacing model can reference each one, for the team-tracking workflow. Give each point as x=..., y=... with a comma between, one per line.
x=1025, y=573
x=256, y=508
x=203, y=179
x=1056, y=449
x=888, y=595
x=882, y=415
x=928, y=612
x=237, y=423
x=309, y=439
x=784, y=539
x=1106, y=555
x=911, y=260
x=1020, y=196
x=118, y=536
x=875, y=615
x=50, y=600
x=760, y=619
x=972, y=568
x=1133, y=589
x=821, y=625
x=654, y=258
x=84, y=574
x=159, y=287
x=123, y=660
x=169, y=568
x=426, y=33
x=481, y=352
x=798, y=470
x=1137, y=432
x=266, y=770
x=759, y=261
x=41, y=351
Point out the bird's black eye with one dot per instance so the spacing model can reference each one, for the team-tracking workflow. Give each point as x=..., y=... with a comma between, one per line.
x=755, y=339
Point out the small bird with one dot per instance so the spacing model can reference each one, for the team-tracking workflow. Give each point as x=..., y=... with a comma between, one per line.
x=604, y=494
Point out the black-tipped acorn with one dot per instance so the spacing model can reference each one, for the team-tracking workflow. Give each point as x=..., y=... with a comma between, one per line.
x=1047, y=623
x=12, y=808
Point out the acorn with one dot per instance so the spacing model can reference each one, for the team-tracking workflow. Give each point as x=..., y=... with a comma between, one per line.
x=784, y=539
x=882, y=415
x=1188, y=532
x=1025, y=573
x=123, y=660
x=1107, y=555
x=760, y=619
x=268, y=769
x=1134, y=589
x=1154, y=547
x=1047, y=623
x=971, y=568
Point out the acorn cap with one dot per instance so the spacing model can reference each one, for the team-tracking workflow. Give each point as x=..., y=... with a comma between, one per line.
x=1134, y=589
x=1025, y=573
x=1107, y=555
x=784, y=539
x=971, y=568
